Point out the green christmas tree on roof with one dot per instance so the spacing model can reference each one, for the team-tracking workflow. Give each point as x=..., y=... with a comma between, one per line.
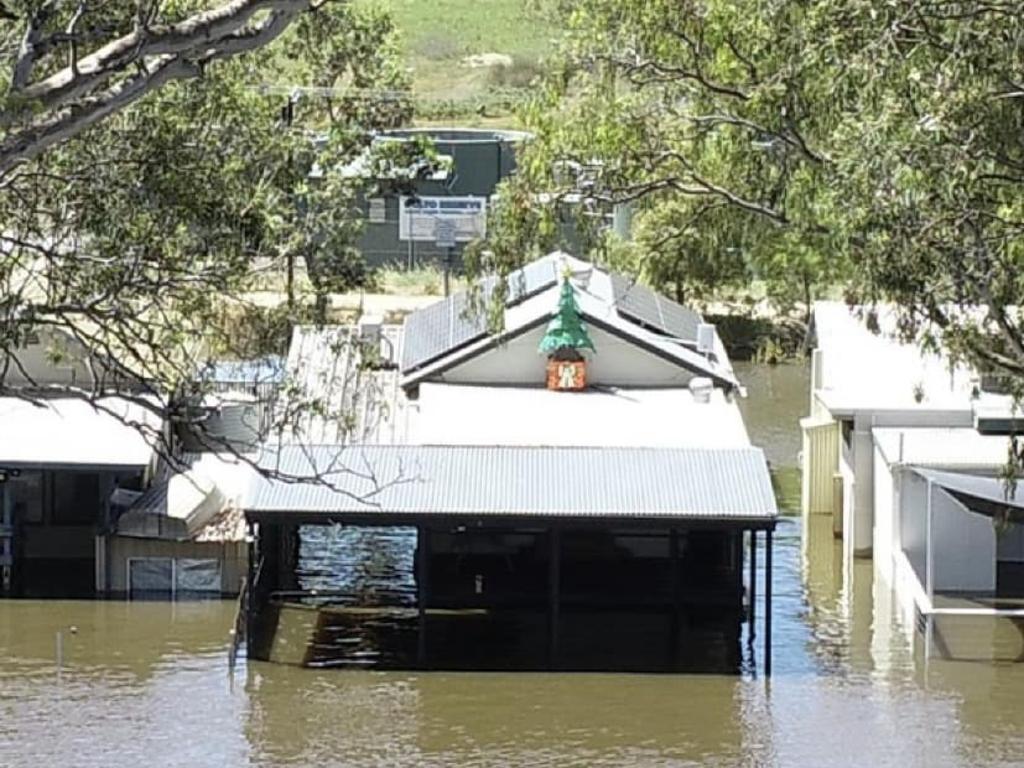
x=566, y=330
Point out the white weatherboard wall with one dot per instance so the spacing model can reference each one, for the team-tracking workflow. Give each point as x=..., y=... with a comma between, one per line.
x=616, y=363
x=55, y=360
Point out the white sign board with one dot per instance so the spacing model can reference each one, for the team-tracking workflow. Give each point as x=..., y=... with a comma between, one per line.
x=444, y=232
x=418, y=217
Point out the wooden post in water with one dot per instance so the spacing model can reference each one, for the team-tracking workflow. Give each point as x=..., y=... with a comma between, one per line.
x=422, y=591
x=768, y=603
x=554, y=578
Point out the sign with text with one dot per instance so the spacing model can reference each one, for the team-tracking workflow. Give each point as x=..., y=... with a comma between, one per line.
x=418, y=218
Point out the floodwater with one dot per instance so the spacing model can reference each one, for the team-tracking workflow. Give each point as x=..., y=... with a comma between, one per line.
x=148, y=684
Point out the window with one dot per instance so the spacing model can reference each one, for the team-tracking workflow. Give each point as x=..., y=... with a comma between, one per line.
x=378, y=213
x=196, y=576
x=26, y=492
x=150, y=576
x=76, y=498
x=181, y=577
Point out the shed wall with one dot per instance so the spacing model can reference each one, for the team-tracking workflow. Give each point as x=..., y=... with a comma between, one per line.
x=820, y=464
x=232, y=556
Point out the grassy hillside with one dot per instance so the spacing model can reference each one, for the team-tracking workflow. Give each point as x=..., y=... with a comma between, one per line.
x=441, y=37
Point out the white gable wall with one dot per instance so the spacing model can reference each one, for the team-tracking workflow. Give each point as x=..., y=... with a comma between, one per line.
x=35, y=364
x=616, y=363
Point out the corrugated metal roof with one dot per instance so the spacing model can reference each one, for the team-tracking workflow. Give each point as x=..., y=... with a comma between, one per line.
x=626, y=483
x=642, y=305
x=861, y=370
x=329, y=396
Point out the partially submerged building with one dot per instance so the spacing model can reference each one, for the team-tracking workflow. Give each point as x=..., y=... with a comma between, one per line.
x=576, y=490
x=905, y=450
x=99, y=497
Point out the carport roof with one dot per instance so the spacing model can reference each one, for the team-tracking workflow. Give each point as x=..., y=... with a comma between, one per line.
x=408, y=483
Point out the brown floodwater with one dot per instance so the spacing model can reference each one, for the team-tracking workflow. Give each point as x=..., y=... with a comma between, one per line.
x=148, y=684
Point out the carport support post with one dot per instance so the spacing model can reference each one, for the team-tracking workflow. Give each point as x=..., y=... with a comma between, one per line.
x=250, y=590
x=768, y=602
x=673, y=553
x=422, y=590
x=929, y=570
x=752, y=581
x=554, y=578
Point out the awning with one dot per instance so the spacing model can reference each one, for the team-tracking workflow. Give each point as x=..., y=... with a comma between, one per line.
x=983, y=494
x=414, y=483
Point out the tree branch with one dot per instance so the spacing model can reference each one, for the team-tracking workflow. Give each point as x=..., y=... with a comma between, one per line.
x=30, y=142
x=28, y=50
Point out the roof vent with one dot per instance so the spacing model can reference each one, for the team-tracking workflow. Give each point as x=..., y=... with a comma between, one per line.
x=705, y=338
x=700, y=388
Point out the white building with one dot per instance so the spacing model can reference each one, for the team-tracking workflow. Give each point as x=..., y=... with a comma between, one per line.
x=892, y=429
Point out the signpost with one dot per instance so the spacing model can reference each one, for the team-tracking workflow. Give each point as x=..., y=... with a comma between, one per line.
x=444, y=237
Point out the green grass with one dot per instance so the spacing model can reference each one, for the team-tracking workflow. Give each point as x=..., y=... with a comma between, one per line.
x=438, y=35
x=422, y=281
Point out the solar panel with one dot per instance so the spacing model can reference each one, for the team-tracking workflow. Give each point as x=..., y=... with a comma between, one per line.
x=439, y=328
x=532, y=279
x=436, y=330
x=642, y=305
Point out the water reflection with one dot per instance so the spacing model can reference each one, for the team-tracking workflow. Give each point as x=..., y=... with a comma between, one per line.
x=148, y=684
x=145, y=680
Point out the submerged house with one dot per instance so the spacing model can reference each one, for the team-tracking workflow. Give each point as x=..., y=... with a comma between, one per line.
x=905, y=451
x=91, y=504
x=574, y=491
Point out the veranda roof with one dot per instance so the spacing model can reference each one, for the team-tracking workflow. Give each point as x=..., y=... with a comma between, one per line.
x=392, y=484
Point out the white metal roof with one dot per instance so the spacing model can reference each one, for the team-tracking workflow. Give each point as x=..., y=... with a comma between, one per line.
x=69, y=432
x=865, y=371
x=957, y=447
x=727, y=484
x=483, y=415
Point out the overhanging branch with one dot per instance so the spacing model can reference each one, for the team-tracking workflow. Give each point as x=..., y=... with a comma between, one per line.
x=26, y=144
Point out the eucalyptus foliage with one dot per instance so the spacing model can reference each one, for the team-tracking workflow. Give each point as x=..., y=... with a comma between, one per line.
x=873, y=146
x=136, y=236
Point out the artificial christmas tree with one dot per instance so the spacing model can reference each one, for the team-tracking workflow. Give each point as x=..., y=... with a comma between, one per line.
x=566, y=336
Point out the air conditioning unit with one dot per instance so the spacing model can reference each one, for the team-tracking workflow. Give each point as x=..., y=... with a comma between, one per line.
x=705, y=338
